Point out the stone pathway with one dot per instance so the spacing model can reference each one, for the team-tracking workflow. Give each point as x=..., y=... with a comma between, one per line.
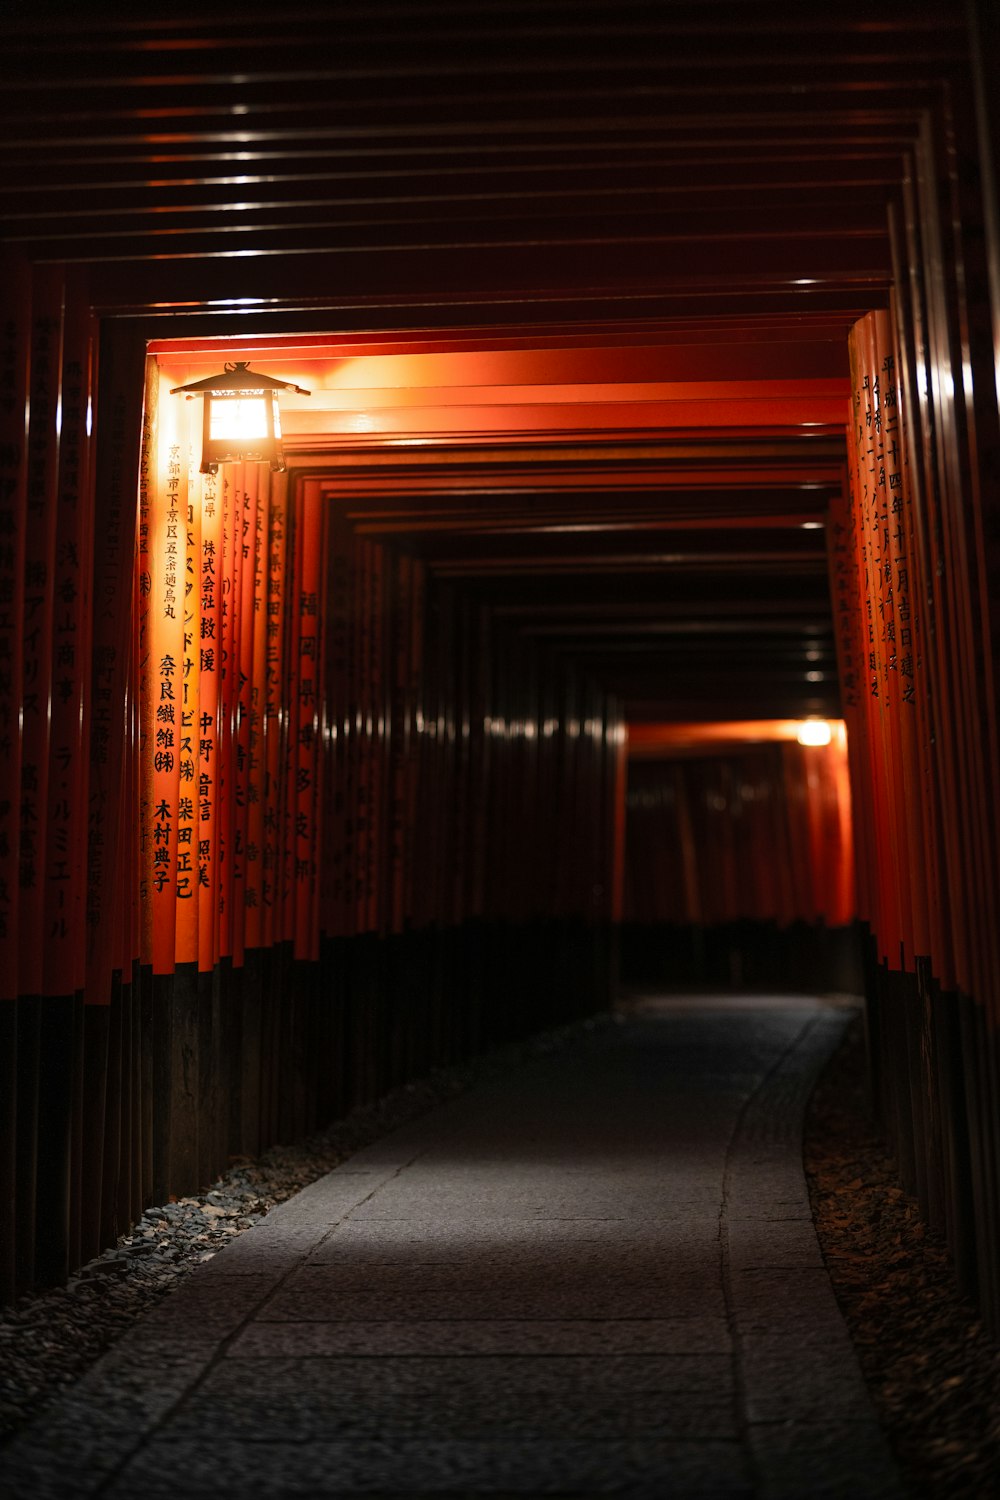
x=595, y=1276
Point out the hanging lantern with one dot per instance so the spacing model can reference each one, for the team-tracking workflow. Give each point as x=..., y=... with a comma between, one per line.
x=242, y=421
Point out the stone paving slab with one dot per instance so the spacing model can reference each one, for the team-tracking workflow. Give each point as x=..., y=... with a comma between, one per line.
x=320, y=1305
x=602, y=1271
x=492, y=1376
x=782, y=1299
x=539, y=1336
x=544, y=1240
x=415, y=1466
x=595, y=1276
x=304, y=1404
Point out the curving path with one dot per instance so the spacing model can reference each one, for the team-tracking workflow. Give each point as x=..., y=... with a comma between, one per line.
x=597, y=1276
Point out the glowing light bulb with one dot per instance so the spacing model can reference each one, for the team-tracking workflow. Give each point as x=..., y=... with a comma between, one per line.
x=238, y=419
x=814, y=732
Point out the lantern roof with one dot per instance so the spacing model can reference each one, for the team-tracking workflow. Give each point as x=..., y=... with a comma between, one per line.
x=237, y=377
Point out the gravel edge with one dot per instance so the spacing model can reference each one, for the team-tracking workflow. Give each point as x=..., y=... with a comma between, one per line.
x=50, y=1338
x=932, y=1369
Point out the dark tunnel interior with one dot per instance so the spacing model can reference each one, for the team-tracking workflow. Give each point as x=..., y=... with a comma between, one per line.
x=616, y=614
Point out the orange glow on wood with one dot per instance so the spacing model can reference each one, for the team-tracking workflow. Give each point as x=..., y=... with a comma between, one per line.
x=529, y=386
x=209, y=581
x=274, y=688
x=231, y=700
x=736, y=821
x=167, y=558
x=244, y=783
x=898, y=679
x=304, y=786
x=653, y=739
x=255, y=658
x=186, y=942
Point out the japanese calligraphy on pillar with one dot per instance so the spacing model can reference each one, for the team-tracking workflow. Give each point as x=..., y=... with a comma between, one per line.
x=256, y=657
x=842, y=560
x=245, y=516
x=273, y=685
x=232, y=573
x=290, y=748
x=306, y=754
x=875, y=520
x=896, y=554
x=900, y=568
x=168, y=557
x=186, y=939
x=891, y=791
x=209, y=564
x=871, y=502
x=148, y=472
x=229, y=856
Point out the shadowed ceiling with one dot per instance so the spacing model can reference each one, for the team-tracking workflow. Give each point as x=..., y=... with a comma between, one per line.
x=571, y=283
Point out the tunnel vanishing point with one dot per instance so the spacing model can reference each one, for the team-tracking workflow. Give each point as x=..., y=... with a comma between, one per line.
x=651, y=353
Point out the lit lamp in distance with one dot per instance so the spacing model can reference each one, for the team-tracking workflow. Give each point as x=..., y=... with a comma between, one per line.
x=241, y=422
x=814, y=732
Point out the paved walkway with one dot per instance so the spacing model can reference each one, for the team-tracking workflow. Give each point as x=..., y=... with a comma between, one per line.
x=598, y=1276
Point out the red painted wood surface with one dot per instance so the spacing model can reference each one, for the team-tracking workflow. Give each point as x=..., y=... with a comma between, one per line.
x=68, y=788
x=311, y=779
x=587, y=386
x=45, y=399
x=15, y=289
x=119, y=567
x=909, y=673
x=721, y=829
